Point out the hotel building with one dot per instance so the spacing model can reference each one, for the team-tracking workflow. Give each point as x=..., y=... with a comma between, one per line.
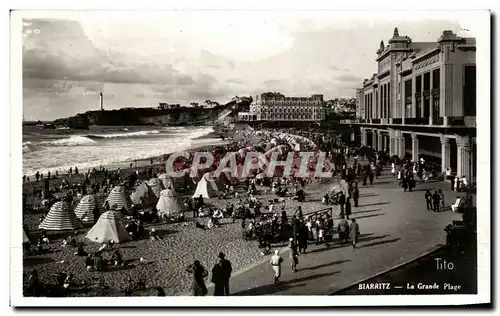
x=422, y=101
x=277, y=107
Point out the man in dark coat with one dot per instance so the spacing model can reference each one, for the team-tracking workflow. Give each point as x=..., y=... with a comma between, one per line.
x=436, y=199
x=341, y=202
x=355, y=196
x=428, y=199
x=226, y=270
x=303, y=237
x=348, y=208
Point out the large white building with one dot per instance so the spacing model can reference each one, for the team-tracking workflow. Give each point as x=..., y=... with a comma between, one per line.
x=277, y=107
x=422, y=101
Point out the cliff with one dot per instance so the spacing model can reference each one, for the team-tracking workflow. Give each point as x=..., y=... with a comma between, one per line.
x=141, y=116
x=154, y=116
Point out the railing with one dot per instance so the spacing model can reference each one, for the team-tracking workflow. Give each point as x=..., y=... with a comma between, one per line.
x=384, y=121
x=470, y=121
x=437, y=121
x=376, y=121
x=397, y=121
x=417, y=120
x=456, y=121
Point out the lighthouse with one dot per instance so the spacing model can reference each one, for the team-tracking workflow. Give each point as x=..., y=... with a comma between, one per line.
x=100, y=101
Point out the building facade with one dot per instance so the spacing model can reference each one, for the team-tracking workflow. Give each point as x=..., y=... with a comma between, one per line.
x=277, y=107
x=422, y=101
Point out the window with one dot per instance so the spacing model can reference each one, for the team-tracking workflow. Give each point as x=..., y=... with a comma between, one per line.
x=436, y=76
x=389, y=108
x=408, y=98
x=469, y=91
x=427, y=81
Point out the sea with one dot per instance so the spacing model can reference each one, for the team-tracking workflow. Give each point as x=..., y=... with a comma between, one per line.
x=111, y=146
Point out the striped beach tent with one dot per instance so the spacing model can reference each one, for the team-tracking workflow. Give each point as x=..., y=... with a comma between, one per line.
x=119, y=198
x=108, y=228
x=156, y=185
x=85, y=209
x=168, y=203
x=144, y=192
x=60, y=217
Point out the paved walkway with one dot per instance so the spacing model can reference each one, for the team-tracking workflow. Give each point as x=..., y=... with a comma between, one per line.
x=395, y=228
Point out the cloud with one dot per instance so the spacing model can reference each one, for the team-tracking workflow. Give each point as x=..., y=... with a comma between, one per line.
x=349, y=78
x=235, y=81
x=65, y=65
x=334, y=68
x=213, y=66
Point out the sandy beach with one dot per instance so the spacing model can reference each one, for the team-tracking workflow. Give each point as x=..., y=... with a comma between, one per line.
x=165, y=260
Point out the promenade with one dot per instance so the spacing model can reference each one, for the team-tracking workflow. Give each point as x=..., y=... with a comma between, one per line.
x=395, y=228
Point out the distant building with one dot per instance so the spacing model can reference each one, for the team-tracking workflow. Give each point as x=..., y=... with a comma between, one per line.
x=246, y=117
x=166, y=106
x=422, y=101
x=277, y=107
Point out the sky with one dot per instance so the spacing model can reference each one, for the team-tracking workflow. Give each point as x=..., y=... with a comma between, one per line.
x=139, y=59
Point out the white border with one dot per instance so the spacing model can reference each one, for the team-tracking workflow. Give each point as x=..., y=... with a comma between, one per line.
x=480, y=20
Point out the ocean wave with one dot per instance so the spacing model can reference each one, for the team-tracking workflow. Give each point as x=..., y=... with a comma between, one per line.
x=72, y=141
x=29, y=147
x=118, y=135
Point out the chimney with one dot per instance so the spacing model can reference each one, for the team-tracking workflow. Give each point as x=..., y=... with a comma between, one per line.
x=100, y=101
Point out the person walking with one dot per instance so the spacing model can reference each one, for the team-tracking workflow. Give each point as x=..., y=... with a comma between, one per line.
x=371, y=177
x=428, y=199
x=276, y=261
x=441, y=198
x=303, y=237
x=436, y=200
x=294, y=255
x=221, y=273
x=199, y=274
x=348, y=208
x=341, y=202
x=354, y=232
x=343, y=229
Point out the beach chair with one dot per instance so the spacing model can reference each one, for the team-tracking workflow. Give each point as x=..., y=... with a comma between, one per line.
x=455, y=207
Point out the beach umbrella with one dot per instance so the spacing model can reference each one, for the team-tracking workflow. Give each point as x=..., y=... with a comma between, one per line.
x=118, y=198
x=85, y=209
x=60, y=218
x=156, y=185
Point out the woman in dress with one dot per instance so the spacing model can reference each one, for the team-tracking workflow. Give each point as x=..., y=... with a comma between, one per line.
x=199, y=274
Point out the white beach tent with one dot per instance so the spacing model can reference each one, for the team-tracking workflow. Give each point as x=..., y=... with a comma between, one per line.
x=145, y=192
x=174, y=183
x=108, y=228
x=118, y=197
x=59, y=218
x=85, y=209
x=168, y=203
x=206, y=188
x=156, y=185
x=25, y=237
